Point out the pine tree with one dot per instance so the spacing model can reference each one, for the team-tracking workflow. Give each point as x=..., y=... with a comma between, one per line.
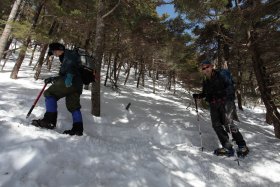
x=8, y=27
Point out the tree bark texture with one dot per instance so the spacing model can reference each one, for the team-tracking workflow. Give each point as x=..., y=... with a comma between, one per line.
x=98, y=50
x=40, y=61
x=257, y=63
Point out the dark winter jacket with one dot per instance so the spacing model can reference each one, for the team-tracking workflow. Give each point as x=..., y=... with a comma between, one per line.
x=71, y=63
x=217, y=88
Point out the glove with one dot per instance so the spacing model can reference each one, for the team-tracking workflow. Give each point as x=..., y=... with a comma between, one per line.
x=196, y=96
x=68, y=80
x=50, y=80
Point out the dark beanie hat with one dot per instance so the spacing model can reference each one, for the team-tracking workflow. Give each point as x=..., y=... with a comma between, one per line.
x=205, y=62
x=55, y=46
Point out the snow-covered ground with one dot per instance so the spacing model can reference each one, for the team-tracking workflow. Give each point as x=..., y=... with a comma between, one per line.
x=155, y=143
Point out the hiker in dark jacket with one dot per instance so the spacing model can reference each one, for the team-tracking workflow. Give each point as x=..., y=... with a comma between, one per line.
x=218, y=91
x=69, y=85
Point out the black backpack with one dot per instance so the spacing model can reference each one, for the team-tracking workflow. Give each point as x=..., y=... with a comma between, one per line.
x=87, y=75
x=87, y=66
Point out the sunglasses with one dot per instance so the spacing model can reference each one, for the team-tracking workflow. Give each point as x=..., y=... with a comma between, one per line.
x=205, y=68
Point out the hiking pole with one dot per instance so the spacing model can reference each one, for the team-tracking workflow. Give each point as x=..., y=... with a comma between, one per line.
x=200, y=134
x=35, y=102
x=229, y=116
x=231, y=138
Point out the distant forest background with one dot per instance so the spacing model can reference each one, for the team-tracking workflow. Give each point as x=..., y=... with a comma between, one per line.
x=241, y=35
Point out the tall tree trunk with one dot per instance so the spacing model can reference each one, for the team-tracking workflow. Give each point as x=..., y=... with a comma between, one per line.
x=239, y=85
x=22, y=52
x=10, y=40
x=108, y=69
x=32, y=55
x=138, y=79
x=115, y=64
x=87, y=41
x=127, y=73
x=8, y=54
x=143, y=74
x=169, y=81
x=174, y=81
x=40, y=61
x=260, y=76
x=98, y=50
x=154, y=75
x=8, y=27
x=251, y=86
x=119, y=71
x=136, y=70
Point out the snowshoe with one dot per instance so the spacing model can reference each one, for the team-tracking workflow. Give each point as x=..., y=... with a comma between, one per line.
x=224, y=152
x=242, y=151
x=77, y=130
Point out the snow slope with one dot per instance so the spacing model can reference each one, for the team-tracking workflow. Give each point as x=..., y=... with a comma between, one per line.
x=155, y=143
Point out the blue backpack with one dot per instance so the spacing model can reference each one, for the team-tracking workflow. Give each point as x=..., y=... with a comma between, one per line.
x=225, y=73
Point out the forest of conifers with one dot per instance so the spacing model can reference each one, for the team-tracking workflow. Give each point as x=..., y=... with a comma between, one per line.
x=242, y=35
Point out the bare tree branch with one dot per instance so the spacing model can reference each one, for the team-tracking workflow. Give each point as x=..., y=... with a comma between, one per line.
x=112, y=10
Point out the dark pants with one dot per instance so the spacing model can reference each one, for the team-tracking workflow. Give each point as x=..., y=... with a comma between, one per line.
x=58, y=90
x=222, y=122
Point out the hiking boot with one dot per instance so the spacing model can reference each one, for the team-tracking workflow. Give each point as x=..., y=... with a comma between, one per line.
x=77, y=129
x=48, y=122
x=43, y=124
x=242, y=151
x=224, y=152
